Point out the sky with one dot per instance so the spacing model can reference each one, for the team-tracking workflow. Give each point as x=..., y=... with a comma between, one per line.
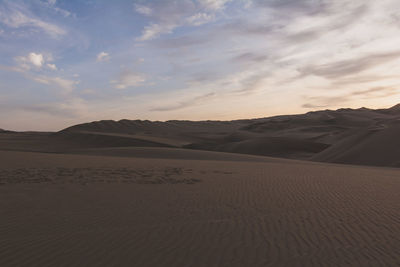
x=64, y=62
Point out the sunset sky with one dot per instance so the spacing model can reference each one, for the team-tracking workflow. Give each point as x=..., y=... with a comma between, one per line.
x=64, y=62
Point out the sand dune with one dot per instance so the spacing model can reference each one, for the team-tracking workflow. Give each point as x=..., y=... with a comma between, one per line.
x=375, y=145
x=79, y=210
x=352, y=136
x=284, y=147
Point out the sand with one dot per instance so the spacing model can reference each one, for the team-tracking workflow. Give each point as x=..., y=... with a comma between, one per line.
x=142, y=193
x=88, y=210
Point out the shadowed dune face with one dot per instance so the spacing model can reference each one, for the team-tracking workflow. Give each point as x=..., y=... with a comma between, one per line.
x=77, y=210
x=375, y=145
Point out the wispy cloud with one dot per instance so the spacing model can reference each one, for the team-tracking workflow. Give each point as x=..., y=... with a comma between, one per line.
x=350, y=66
x=52, y=66
x=52, y=4
x=167, y=16
x=213, y=4
x=103, y=56
x=71, y=108
x=17, y=16
x=200, y=18
x=128, y=79
x=376, y=92
x=250, y=57
x=142, y=9
x=66, y=84
x=181, y=42
x=155, y=29
x=185, y=103
x=340, y=100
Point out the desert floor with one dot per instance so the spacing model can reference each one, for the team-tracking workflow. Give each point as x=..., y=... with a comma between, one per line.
x=88, y=210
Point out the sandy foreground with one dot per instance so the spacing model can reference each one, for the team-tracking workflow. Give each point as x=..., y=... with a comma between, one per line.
x=77, y=210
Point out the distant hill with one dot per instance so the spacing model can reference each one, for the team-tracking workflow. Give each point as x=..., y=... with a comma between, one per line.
x=4, y=131
x=352, y=136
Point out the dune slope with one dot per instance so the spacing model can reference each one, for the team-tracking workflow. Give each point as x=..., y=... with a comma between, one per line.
x=375, y=145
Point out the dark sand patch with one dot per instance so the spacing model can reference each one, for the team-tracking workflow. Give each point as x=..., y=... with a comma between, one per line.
x=85, y=176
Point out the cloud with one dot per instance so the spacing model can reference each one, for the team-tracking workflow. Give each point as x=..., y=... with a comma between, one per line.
x=182, y=41
x=312, y=27
x=204, y=77
x=375, y=92
x=52, y=5
x=67, y=85
x=142, y=9
x=36, y=60
x=326, y=101
x=166, y=16
x=291, y=21
x=31, y=60
x=200, y=19
x=103, y=56
x=52, y=2
x=12, y=68
x=187, y=103
x=293, y=6
x=308, y=105
x=361, y=79
x=339, y=100
x=154, y=30
x=128, y=79
x=213, y=4
x=350, y=66
x=52, y=66
x=250, y=57
x=15, y=16
x=70, y=108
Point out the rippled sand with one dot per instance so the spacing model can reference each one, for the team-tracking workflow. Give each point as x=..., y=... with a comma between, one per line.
x=74, y=210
